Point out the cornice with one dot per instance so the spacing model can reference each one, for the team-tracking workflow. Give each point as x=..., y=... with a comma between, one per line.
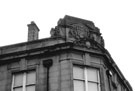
x=58, y=47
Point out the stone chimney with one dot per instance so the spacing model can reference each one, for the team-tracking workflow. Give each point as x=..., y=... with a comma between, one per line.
x=32, y=31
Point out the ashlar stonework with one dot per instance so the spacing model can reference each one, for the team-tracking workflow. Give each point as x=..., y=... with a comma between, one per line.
x=72, y=59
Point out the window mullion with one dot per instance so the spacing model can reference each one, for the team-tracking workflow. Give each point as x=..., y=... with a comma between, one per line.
x=13, y=78
x=98, y=81
x=24, y=81
x=86, y=80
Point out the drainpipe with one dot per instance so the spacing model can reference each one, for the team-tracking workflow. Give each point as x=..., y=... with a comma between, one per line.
x=47, y=64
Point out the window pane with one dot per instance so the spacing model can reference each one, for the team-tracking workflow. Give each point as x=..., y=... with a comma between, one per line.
x=30, y=88
x=79, y=85
x=92, y=86
x=78, y=73
x=92, y=75
x=18, y=79
x=18, y=89
x=30, y=77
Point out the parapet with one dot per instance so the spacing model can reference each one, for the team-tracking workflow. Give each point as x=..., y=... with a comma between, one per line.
x=77, y=30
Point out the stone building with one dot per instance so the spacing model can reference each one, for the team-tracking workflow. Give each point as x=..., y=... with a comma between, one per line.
x=72, y=59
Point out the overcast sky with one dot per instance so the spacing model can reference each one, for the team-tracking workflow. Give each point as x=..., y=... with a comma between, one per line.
x=115, y=18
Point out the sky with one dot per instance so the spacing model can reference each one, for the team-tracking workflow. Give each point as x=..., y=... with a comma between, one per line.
x=115, y=18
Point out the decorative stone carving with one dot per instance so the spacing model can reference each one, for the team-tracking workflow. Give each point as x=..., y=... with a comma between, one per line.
x=79, y=31
x=82, y=32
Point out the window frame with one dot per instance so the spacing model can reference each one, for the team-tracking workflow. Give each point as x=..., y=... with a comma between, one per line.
x=86, y=67
x=24, y=77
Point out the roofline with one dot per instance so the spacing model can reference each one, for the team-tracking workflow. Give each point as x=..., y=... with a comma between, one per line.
x=71, y=44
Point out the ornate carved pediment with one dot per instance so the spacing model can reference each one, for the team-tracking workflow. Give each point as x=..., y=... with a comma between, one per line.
x=79, y=31
x=76, y=29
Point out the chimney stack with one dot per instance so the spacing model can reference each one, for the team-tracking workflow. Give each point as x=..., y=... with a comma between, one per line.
x=33, y=31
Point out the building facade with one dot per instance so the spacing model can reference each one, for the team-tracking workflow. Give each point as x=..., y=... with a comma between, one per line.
x=72, y=59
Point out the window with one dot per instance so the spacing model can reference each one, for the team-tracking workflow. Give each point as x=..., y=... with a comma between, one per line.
x=86, y=79
x=24, y=81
